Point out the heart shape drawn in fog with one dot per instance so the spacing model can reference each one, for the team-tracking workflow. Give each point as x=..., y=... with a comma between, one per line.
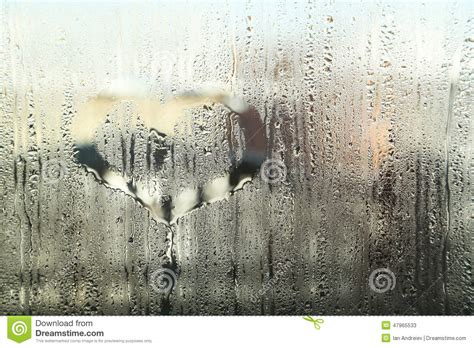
x=162, y=119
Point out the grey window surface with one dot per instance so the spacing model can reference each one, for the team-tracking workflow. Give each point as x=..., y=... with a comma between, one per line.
x=236, y=157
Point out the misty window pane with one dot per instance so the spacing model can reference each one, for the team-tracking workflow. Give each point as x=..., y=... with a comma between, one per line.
x=240, y=157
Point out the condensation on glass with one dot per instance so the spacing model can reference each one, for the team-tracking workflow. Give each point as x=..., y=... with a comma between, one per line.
x=247, y=157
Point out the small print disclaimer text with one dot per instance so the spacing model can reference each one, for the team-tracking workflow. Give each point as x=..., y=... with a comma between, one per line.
x=74, y=331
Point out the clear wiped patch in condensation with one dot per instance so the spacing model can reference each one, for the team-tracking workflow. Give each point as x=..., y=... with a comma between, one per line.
x=162, y=119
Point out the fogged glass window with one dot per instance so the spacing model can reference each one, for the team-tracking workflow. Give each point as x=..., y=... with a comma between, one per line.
x=240, y=157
